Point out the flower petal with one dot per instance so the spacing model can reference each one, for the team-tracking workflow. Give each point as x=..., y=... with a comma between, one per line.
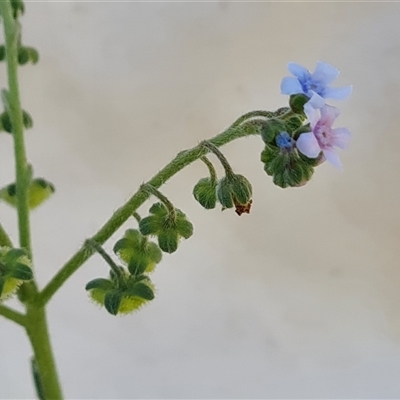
x=297, y=70
x=290, y=86
x=316, y=101
x=338, y=93
x=332, y=157
x=308, y=145
x=329, y=114
x=342, y=137
x=325, y=73
x=312, y=114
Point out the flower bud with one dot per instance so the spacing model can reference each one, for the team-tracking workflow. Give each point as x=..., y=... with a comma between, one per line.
x=234, y=190
x=137, y=252
x=294, y=122
x=121, y=297
x=297, y=102
x=169, y=228
x=183, y=226
x=15, y=268
x=18, y=8
x=168, y=240
x=112, y=301
x=286, y=165
x=152, y=224
x=2, y=52
x=39, y=191
x=6, y=125
x=271, y=128
x=27, y=54
x=205, y=193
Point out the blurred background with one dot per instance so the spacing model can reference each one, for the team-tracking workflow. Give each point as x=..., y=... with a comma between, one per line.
x=299, y=299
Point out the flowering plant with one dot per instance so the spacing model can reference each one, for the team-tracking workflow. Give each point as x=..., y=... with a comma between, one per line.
x=296, y=139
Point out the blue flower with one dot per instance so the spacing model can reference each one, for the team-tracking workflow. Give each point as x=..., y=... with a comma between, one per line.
x=315, y=84
x=284, y=141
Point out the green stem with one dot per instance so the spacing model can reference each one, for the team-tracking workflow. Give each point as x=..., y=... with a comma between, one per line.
x=214, y=149
x=35, y=320
x=13, y=315
x=136, y=216
x=183, y=159
x=4, y=238
x=164, y=199
x=38, y=334
x=211, y=169
x=11, y=33
x=13, y=105
x=96, y=246
x=262, y=113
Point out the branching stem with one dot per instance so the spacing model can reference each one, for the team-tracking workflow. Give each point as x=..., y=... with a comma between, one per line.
x=184, y=158
x=13, y=315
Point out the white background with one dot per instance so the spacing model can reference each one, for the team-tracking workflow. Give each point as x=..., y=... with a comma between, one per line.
x=299, y=299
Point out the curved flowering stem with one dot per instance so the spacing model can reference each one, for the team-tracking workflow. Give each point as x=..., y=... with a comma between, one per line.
x=262, y=113
x=214, y=149
x=147, y=187
x=211, y=169
x=240, y=128
x=106, y=257
x=136, y=216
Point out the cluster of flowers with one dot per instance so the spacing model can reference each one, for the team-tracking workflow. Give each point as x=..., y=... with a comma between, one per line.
x=321, y=137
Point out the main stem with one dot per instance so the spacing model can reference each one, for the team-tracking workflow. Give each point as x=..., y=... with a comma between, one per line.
x=35, y=323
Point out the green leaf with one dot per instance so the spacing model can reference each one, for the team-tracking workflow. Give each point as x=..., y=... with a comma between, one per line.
x=153, y=252
x=184, y=227
x=168, y=241
x=149, y=225
x=138, y=264
x=224, y=192
x=142, y=290
x=112, y=302
x=23, y=56
x=22, y=272
x=205, y=192
x=294, y=123
x=6, y=122
x=129, y=245
x=13, y=255
x=99, y=283
x=133, y=236
x=271, y=128
x=241, y=189
x=158, y=209
x=297, y=101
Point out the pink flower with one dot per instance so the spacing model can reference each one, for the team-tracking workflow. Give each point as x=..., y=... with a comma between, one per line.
x=322, y=136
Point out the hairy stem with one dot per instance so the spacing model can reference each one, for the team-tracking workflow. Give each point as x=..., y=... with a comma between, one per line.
x=211, y=169
x=96, y=246
x=183, y=159
x=214, y=149
x=155, y=192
